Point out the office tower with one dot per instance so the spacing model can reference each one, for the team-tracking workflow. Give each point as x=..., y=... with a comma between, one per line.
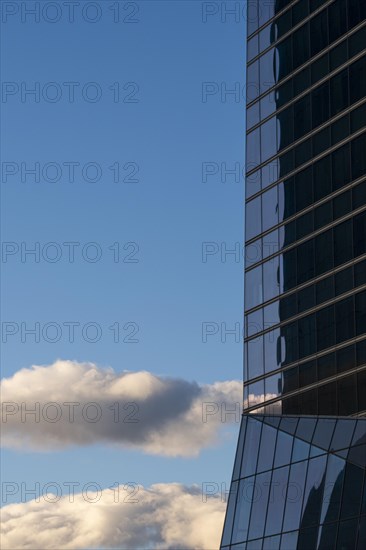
x=299, y=478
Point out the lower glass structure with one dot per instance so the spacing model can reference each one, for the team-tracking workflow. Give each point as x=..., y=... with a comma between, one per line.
x=299, y=483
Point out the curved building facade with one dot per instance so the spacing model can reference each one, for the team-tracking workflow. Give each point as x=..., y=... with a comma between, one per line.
x=305, y=281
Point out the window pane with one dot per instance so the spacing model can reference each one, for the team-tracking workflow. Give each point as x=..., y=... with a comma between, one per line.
x=327, y=396
x=345, y=322
x=358, y=148
x=360, y=306
x=300, y=45
x=302, y=117
x=284, y=58
x=324, y=252
x=332, y=489
x=268, y=139
x=319, y=32
x=255, y=357
x=253, y=115
x=323, y=215
x=251, y=447
x=253, y=218
x=320, y=104
x=289, y=270
x=272, y=347
x=324, y=289
x=322, y=178
x=338, y=19
x=270, y=208
x=243, y=505
x=257, y=517
x=325, y=328
x=307, y=336
x=359, y=234
x=285, y=127
x=271, y=278
x=341, y=171
x=252, y=47
x=326, y=365
x=346, y=358
x=305, y=262
x=290, y=336
x=342, y=242
x=253, y=149
x=347, y=533
x=340, y=129
x=230, y=514
x=304, y=189
x=266, y=71
x=307, y=373
x=339, y=92
x=276, y=502
x=357, y=79
x=313, y=494
x=253, y=288
x=266, y=452
x=252, y=81
x=295, y=491
x=352, y=491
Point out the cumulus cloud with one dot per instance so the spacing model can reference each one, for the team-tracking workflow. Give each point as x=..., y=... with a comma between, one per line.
x=70, y=403
x=165, y=516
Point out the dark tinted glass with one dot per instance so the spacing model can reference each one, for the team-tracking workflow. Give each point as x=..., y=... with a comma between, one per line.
x=320, y=104
x=343, y=281
x=327, y=397
x=326, y=365
x=358, y=149
x=319, y=32
x=352, y=492
x=338, y=19
x=301, y=46
x=360, y=310
x=342, y=242
x=347, y=388
x=341, y=169
x=325, y=328
x=346, y=358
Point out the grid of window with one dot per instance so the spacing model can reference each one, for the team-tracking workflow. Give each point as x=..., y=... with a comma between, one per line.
x=319, y=32
x=279, y=27
x=308, y=473
x=343, y=395
x=283, y=202
x=312, y=258
x=299, y=481
x=312, y=110
x=310, y=75
x=309, y=297
x=332, y=325
x=308, y=149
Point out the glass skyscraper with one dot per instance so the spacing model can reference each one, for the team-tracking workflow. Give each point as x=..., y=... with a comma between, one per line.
x=299, y=478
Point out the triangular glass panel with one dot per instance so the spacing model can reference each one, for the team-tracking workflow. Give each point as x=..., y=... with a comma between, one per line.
x=360, y=433
x=316, y=451
x=342, y=434
x=357, y=455
x=305, y=428
x=272, y=420
x=300, y=450
x=324, y=432
x=289, y=424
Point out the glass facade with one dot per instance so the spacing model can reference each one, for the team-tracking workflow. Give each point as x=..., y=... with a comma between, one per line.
x=305, y=267
x=299, y=483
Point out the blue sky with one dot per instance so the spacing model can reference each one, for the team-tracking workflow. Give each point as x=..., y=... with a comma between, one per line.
x=168, y=213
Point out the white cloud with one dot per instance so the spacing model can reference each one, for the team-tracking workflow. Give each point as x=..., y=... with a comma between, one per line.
x=135, y=409
x=166, y=516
